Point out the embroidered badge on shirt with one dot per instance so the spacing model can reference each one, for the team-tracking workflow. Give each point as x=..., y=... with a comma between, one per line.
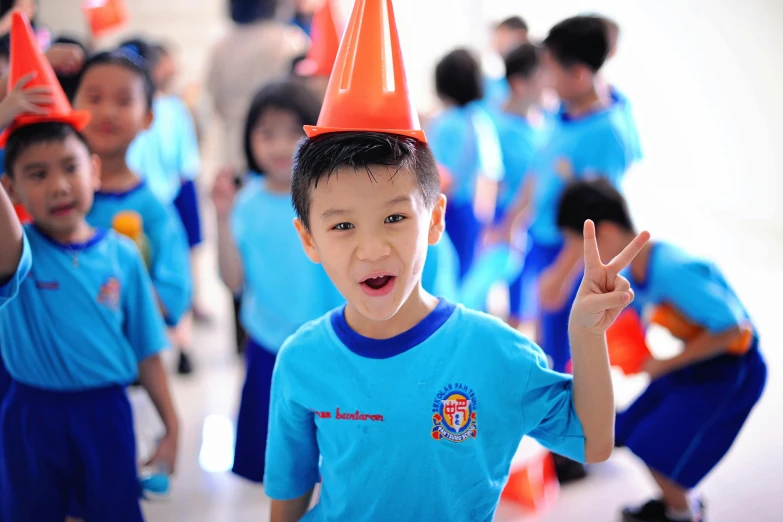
x=109, y=294
x=454, y=414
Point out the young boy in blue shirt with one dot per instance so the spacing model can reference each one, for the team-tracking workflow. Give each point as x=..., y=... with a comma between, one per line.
x=410, y=407
x=78, y=323
x=117, y=90
x=698, y=400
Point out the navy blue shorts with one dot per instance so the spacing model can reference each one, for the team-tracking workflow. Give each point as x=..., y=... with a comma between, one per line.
x=685, y=422
x=465, y=232
x=253, y=419
x=60, y=448
x=523, y=291
x=186, y=204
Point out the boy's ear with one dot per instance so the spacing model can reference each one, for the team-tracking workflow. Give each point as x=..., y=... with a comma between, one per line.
x=95, y=161
x=148, y=119
x=438, y=221
x=307, y=241
x=8, y=185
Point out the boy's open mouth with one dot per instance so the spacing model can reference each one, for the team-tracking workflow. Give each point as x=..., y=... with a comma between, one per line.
x=379, y=285
x=61, y=210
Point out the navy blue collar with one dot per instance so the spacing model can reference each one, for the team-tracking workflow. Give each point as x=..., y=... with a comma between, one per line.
x=386, y=348
x=615, y=99
x=119, y=195
x=74, y=247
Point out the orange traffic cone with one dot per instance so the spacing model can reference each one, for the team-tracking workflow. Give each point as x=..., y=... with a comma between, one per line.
x=324, y=44
x=27, y=57
x=534, y=485
x=626, y=341
x=104, y=16
x=368, y=89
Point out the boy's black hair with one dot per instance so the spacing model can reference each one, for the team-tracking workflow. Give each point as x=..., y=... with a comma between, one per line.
x=320, y=157
x=250, y=11
x=458, y=77
x=522, y=61
x=5, y=46
x=594, y=199
x=127, y=59
x=513, y=23
x=290, y=96
x=69, y=82
x=581, y=40
x=25, y=137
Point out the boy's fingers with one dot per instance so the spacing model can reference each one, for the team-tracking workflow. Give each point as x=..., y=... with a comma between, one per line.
x=600, y=303
x=24, y=80
x=32, y=108
x=40, y=89
x=628, y=254
x=592, y=257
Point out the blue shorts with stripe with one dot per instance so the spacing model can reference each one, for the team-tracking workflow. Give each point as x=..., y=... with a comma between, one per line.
x=685, y=422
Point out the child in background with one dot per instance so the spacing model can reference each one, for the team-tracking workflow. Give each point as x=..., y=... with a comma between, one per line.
x=507, y=35
x=522, y=132
x=259, y=256
x=78, y=322
x=697, y=401
x=117, y=90
x=465, y=142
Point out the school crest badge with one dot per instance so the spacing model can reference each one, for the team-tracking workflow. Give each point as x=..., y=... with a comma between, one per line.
x=454, y=414
x=109, y=294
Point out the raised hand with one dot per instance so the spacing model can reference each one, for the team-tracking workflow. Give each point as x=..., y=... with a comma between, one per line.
x=65, y=58
x=224, y=192
x=604, y=292
x=21, y=100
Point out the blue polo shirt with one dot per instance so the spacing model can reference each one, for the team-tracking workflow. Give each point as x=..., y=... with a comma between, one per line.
x=78, y=316
x=422, y=426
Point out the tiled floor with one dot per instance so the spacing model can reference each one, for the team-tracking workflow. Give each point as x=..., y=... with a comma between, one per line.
x=665, y=195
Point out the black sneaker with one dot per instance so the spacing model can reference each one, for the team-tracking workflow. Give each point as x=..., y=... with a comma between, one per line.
x=184, y=367
x=568, y=470
x=655, y=511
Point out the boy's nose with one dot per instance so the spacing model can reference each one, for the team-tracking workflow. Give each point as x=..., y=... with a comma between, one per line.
x=373, y=247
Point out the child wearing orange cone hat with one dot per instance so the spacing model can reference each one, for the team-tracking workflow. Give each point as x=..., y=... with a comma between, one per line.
x=76, y=327
x=408, y=406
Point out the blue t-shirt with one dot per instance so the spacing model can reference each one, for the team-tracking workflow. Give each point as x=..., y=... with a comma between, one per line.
x=519, y=142
x=693, y=286
x=633, y=132
x=465, y=141
x=496, y=92
x=440, y=276
x=77, y=317
x=170, y=255
x=598, y=144
x=422, y=426
x=283, y=288
x=167, y=153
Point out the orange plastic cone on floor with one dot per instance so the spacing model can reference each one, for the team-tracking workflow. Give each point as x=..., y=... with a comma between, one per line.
x=104, y=16
x=368, y=88
x=27, y=57
x=626, y=341
x=324, y=44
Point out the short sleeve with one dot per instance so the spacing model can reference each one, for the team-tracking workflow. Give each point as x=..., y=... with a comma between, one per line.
x=10, y=288
x=699, y=291
x=188, y=154
x=143, y=326
x=170, y=267
x=292, y=449
x=548, y=410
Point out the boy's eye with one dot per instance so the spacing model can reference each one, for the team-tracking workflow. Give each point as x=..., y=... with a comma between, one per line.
x=93, y=99
x=124, y=102
x=37, y=174
x=343, y=226
x=394, y=218
x=70, y=169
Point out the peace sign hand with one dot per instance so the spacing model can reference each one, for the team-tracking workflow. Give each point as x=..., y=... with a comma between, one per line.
x=604, y=292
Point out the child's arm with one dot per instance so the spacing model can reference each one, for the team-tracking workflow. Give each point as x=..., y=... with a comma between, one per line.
x=291, y=510
x=229, y=261
x=602, y=296
x=153, y=378
x=557, y=281
x=11, y=239
x=705, y=346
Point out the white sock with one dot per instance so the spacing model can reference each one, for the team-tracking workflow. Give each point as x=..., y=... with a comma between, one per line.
x=684, y=515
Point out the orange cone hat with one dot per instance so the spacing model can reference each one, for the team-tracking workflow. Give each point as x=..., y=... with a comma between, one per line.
x=368, y=89
x=27, y=57
x=325, y=43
